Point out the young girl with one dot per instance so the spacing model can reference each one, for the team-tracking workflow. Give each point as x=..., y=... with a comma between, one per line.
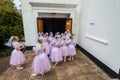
x=64, y=49
x=17, y=58
x=45, y=42
x=71, y=48
x=51, y=38
x=56, y=55
x=41, y=63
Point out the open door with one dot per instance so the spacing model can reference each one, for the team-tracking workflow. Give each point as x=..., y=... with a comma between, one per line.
x=40, y=24
x=68, y=24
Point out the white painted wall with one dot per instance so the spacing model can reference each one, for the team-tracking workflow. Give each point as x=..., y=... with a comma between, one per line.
x=105, y=18
x=28, y=24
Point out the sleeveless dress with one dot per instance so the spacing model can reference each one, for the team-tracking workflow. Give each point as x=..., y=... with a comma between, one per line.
x=17, y=56
x=46, y=45
x=41, y=63
x=64, y=49
x=56, y=55
x=71, y=48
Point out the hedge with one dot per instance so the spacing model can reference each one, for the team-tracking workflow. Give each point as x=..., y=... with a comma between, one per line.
x=6, y=52
x=7, y=31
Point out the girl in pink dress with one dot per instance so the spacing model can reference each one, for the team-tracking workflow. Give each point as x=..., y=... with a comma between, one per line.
x=17, y=58
x=56, y=55
x=41, y=63
x=45, y=42
x=71, y=48
x=64, y=49
x=51, y=38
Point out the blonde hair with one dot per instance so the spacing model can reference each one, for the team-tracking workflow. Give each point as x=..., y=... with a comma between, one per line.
x=14, y=38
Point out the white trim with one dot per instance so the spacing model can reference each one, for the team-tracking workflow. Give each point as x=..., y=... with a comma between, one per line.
x=97, y=39
x=53, y=5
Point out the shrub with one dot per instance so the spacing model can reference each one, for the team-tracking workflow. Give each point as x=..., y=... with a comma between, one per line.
x=10, y=24
x=7, y=31
x=6, y=52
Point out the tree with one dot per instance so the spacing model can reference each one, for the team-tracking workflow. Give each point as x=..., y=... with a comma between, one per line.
x=10, y=21
x=9, y=15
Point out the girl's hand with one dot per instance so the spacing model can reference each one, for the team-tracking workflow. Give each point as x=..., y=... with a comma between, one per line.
x=21, y=47
x=17, y=49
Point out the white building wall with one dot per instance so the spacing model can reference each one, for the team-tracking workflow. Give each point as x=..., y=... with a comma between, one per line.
x=99, y=30
x=28, y=24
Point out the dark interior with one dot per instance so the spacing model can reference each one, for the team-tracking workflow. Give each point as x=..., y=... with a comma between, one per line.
x=54, y=25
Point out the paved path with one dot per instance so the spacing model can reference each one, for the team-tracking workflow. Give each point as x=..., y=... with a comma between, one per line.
x=82, y=68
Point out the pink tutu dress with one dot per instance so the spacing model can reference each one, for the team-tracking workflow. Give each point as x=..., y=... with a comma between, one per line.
x=41, y=63
x=17, y=56
x=64, y=49
x=71, y=48
x=46, y=45
x=56, y=55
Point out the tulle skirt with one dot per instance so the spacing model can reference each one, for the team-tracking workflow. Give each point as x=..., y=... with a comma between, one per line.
x=71, y=50
x=56, y=55
x=41, y=64
x=17, y=58
x=64, y=51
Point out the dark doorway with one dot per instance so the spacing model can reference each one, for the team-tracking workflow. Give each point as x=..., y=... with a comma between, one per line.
x=54, y=25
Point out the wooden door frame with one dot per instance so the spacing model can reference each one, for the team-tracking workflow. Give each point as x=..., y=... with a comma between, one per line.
x=53, y=18
x=71, y=23
x=38, y=23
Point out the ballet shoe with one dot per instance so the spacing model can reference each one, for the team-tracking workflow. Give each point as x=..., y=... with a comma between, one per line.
x=19, y=68
x=34, y=75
